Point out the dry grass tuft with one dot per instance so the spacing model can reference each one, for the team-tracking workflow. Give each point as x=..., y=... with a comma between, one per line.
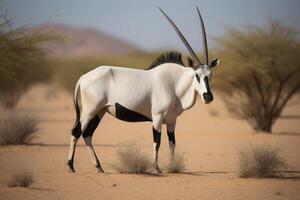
x=260, y=161
x=176, y=165
x=132, y=160
x=22, y=179
x=16, y=128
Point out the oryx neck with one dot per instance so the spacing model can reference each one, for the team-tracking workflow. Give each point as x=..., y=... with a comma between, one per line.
x=185, y=89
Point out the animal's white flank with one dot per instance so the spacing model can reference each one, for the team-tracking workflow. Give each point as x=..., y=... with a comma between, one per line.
x=159, y=95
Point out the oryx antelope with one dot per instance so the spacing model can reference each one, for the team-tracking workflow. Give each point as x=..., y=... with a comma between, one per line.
x=159, y=95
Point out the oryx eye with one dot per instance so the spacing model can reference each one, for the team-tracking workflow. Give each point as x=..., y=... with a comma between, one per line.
x=198, y=78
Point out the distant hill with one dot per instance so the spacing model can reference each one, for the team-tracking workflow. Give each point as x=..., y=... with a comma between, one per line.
x=83, y=41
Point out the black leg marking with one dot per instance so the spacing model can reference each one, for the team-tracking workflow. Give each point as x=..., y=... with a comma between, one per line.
x=171, y=137
x=156, y=140
x=207, y=84
x=156, y=137
x=125, y=114
x=93, y=124
x=76, y=131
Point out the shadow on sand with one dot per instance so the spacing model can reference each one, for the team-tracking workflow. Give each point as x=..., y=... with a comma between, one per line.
x=285, y=175
x=67, y=145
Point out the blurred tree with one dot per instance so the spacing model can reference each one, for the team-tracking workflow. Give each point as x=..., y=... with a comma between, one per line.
x=261, y=72
x=22, y=61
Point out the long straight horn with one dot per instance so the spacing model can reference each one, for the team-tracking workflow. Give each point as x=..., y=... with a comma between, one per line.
x=187, y=45
x=205, y=49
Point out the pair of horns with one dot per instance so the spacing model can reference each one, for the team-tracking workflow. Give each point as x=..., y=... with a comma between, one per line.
x=187, y=45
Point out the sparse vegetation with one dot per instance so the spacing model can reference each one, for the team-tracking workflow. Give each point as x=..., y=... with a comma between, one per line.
x=261, y=72
x=132, y=160
x=260, y=161
x=21, y=179
x=22, y=61
x=176, y=165
x=16, y=128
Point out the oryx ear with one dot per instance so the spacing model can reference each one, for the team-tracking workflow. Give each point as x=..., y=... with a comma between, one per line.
x=191, y=62
x=214, y=63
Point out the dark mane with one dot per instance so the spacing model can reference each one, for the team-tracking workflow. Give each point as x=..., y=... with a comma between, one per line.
x=168, y=57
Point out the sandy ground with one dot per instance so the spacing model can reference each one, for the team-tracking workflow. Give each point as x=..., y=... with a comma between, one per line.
x=206, y=134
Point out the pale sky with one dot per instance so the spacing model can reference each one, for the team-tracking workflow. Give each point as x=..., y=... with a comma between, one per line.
x=141, y=23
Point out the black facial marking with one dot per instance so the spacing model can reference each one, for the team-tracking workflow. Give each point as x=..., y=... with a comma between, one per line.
x=91, y=127
x=171, y=137
x=125, y=114
x=156, y=137
x=206, y=84
x=198, y=78
x=208, y=96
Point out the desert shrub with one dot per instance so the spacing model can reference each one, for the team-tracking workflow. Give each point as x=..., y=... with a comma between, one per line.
x=260, y=161
x=16, y=128
x=261, y=72
x=21, y=179
x=177, y=164
x=23, y=61
x=131, y=160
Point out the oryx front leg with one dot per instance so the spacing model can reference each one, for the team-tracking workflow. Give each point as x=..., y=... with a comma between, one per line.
x=157, y=123
x=171, y=137
x=95, y=160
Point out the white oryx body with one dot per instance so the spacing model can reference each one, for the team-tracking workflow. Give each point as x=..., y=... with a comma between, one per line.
x=166, y=90
x=159, y=94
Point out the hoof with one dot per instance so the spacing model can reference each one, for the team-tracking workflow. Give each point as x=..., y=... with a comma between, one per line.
x=100, y=170
x=156, y=170
x=71, y=170
x=70, y=166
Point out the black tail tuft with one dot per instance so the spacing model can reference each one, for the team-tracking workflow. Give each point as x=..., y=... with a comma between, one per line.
x=76, y=131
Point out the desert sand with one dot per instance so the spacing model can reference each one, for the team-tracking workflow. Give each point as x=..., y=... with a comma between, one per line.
x=208, y=136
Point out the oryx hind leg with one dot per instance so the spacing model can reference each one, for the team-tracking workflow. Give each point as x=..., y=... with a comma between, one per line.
x=76, y=133
x=90, y=126
x=72, y=153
